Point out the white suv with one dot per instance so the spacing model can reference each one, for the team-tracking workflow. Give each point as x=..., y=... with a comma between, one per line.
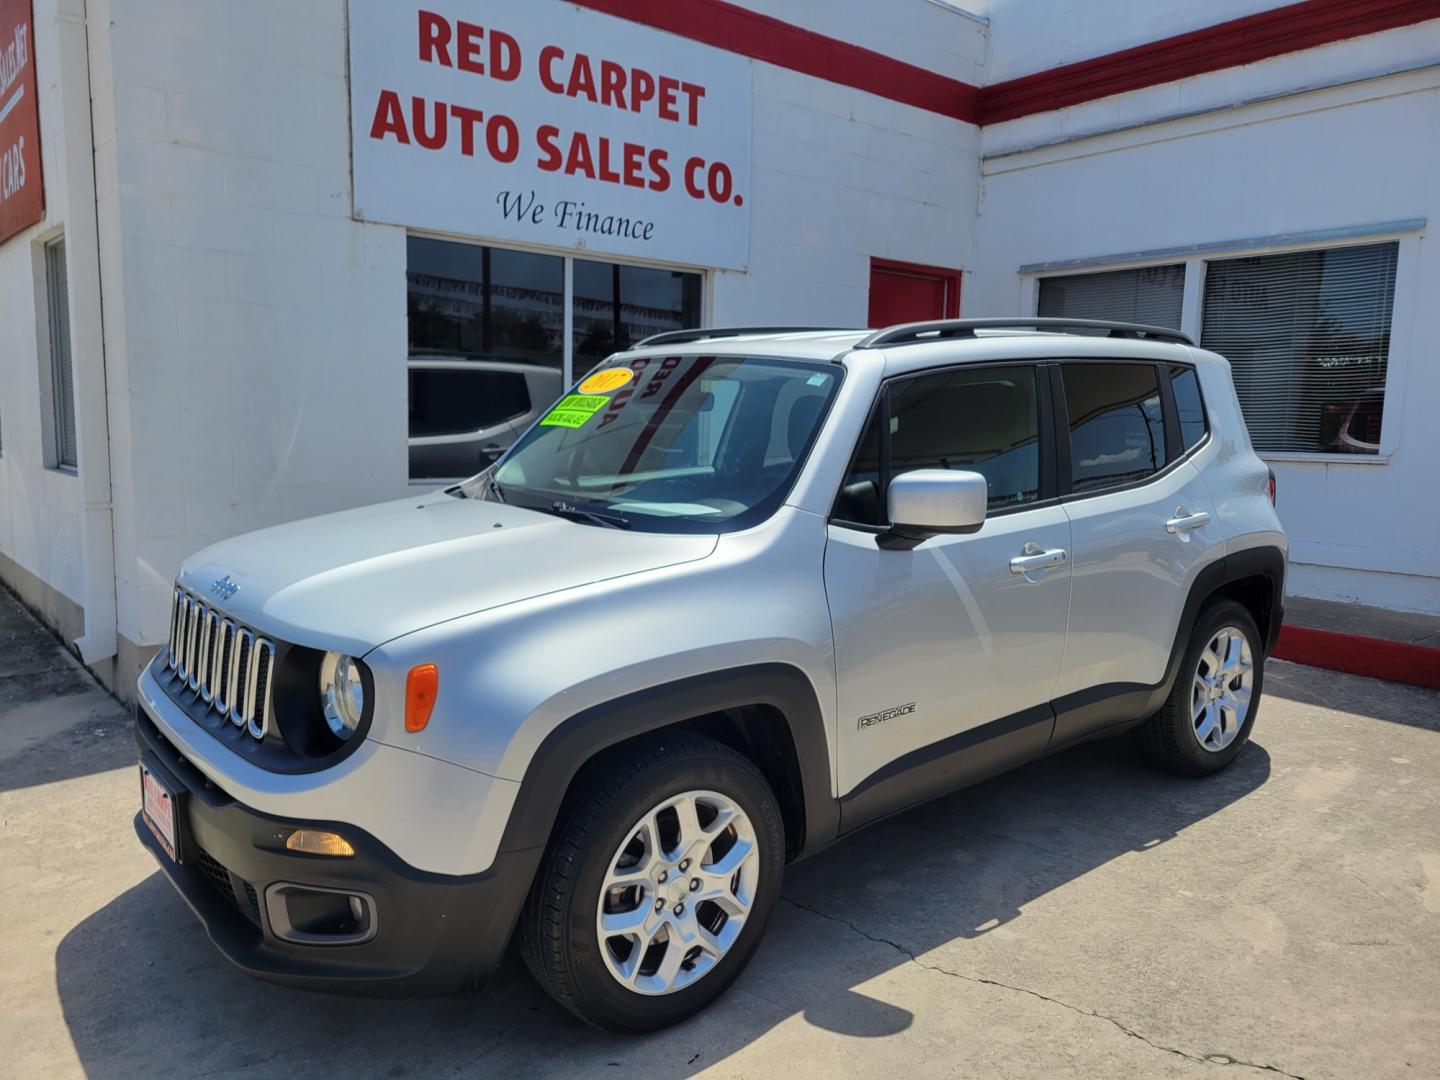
x=737, y=595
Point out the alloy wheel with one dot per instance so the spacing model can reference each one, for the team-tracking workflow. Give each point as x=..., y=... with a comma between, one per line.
x=677, y=892
x=1220, y=695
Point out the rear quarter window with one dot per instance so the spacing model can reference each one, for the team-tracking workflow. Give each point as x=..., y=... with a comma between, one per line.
x=1189, y=405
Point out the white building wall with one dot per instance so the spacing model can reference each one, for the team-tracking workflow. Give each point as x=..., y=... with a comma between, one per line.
x=1027, y=36
x=256, y=335
x=40, y=508
x=1362, y=152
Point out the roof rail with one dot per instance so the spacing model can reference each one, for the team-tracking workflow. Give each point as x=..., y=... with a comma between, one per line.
x=680, y=337
x=917, y=332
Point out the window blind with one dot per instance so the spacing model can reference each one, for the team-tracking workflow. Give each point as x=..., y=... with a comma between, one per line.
x=1147, y=294
x=1307, y=334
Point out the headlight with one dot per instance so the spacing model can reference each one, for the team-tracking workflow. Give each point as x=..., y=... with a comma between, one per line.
x=342, y=694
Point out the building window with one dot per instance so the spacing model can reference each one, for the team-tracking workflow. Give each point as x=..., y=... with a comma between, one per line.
x=485, y=304
x=1117, y=425
x=616, y=306
x=60, y=451
x=1149, y=294
x=1307, y=334
x=504, y=314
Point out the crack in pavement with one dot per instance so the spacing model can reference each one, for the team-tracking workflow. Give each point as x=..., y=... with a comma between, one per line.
x=1203, y=1059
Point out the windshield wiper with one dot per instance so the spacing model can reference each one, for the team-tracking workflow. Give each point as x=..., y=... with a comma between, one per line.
x=594, y=517
x=494, y=489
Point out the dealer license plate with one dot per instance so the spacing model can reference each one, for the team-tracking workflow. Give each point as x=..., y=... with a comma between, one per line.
x=157, y=807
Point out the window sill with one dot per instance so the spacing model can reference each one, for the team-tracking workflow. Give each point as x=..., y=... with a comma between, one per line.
x=1326, y=459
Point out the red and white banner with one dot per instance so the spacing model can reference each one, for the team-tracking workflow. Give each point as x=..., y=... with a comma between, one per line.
x=550, y=124
x=22, y=190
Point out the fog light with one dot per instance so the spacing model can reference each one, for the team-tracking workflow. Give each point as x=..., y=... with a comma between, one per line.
x=319, y=842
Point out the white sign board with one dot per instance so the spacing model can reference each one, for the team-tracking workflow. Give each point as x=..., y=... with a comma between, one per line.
x=541, y=122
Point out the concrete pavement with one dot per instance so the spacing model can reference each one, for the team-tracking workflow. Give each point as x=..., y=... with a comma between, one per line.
x=1084, y=916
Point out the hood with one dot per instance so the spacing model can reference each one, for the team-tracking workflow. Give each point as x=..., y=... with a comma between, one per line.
x=352, y=580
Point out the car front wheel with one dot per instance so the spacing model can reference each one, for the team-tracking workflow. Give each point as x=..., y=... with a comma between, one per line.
x=657, y=884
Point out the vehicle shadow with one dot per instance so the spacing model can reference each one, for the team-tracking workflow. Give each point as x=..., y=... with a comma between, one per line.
x=144, y=993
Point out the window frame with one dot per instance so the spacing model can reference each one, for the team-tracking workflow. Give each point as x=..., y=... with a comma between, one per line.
x=1054, y=432
x=1197, y=257
x=1045, y=431
x=53, y=404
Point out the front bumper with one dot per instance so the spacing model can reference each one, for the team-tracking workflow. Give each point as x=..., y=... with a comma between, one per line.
x=433, y=933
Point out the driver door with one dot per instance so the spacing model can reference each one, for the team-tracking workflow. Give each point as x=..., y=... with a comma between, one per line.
x=947, y=655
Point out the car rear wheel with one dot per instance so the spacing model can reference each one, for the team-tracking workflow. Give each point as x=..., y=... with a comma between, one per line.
x=657, y=884
x=1211, y=709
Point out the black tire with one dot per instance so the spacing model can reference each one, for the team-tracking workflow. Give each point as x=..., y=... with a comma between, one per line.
x=1168, y=738
x=557, y=935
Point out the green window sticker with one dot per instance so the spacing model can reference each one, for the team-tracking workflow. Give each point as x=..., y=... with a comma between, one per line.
x=573, y=410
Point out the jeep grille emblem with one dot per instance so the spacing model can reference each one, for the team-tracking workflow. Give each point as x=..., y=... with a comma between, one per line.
x=224, y=589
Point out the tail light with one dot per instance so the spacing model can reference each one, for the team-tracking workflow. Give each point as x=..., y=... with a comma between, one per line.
x=1270, y=486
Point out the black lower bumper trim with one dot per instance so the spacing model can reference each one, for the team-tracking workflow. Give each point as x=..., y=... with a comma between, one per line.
x=436, y=933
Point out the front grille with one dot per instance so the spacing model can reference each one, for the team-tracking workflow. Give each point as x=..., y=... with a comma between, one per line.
x=217, y=874
x=224, y=883
x=226, y=665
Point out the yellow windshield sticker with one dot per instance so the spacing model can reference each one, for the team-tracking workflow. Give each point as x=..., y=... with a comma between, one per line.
x=602, y=382
x=573, y=410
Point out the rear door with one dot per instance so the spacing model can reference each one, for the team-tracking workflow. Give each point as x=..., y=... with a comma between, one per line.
x=1142, y=526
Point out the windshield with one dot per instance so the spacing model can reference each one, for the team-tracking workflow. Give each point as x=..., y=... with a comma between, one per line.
x=676, y=443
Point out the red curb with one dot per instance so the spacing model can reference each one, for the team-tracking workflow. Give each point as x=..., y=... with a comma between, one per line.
x=1396, y=661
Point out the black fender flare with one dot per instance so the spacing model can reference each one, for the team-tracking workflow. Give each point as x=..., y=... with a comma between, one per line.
x=566, y=749
x=1102, y=709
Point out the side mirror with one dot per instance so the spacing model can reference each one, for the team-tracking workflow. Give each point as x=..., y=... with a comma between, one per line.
x=928, y=502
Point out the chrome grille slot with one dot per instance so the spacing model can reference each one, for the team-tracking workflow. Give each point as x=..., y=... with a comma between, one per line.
x=210, y=637
x=240, y=699
x=187, y=642
x=262, y=657
x=222, y=666
x=197, y=649
x=228, y=666
x=177, y=607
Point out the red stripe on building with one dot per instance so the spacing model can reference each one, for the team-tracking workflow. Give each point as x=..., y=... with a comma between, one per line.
x=1272, y=33
x=1281, y=30
x=1396, y=661
x=760, y=37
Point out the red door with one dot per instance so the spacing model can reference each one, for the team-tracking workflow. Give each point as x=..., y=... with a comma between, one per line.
x=909, y=292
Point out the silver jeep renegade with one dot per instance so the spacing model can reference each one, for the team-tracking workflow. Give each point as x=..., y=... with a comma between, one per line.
x=736, y=595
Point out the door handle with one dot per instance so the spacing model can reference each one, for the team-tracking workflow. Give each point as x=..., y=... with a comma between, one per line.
x=1038, y=560
x=1185, y=522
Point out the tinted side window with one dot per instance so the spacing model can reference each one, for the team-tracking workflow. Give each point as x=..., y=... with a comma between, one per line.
x=449, y=402
x=1186, y=387
x=984, y=420
x=1117, y=427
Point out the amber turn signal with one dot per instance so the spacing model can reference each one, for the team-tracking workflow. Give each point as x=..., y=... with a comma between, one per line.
x=421, y=686
x=319, y=842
